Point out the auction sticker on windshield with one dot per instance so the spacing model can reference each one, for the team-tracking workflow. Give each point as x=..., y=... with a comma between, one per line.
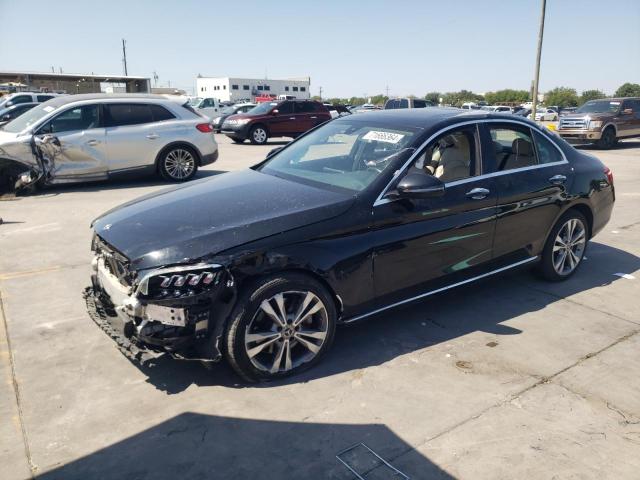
x=388, y=137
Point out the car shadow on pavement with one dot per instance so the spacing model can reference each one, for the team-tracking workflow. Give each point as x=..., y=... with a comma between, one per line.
x=198, y=446
x=422, y=324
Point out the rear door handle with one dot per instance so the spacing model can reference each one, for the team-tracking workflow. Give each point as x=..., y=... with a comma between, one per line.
x=292, y=118
x=557, y=179
x=152, y=136
x=314, y=117
x=478, y=193
x=93, y=142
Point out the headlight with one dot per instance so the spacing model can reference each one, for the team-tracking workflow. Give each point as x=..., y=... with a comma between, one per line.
x=241, y=121
x=593, y=124
x=180, y=282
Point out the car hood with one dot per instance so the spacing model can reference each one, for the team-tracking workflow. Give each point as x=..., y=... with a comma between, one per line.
x=592, y=116
x=204, y=218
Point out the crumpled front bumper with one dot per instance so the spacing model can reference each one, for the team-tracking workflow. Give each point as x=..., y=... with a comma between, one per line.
x=132, y=323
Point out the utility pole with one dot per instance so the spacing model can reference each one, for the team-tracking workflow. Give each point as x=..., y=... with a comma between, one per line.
x=124, y=56
x=387, y=91
x=320, y=93
x=536, y=79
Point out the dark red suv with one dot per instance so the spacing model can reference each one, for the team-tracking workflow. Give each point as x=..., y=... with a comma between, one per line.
x=288, y=118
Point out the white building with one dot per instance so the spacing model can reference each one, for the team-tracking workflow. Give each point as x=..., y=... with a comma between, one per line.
x=233, y=88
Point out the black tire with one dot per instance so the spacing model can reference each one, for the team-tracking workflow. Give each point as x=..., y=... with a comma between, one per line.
x=608, y=139
x=178, y=164
x=237, y=140
x=546, y=268
x=258, y=135
x=248, y=314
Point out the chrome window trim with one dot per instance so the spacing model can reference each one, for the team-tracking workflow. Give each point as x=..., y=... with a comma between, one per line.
x=382, y=201
x=442, y=289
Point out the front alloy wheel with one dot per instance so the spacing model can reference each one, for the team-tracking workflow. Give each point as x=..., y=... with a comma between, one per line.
x=282, y=327
x=258, y=135
x=178, y=165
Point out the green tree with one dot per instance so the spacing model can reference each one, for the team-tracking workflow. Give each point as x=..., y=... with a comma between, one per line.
x=379, y=99
x=433, y=97
x=507, y=95
x=628, y=90
x=591, y=95
x=562, y=97
x=458, y=98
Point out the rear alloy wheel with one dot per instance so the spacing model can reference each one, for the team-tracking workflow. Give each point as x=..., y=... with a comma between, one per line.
x=284, y=327
x=608, y=139
x=258, y=135
x=565, y=247
x=178, y=164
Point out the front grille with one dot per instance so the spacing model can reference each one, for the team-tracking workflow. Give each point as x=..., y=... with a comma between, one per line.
x=573, y=123
x=116, y=263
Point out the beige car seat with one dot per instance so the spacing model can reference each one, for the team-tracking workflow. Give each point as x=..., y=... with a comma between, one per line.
x=454, y=161
x=521, y=155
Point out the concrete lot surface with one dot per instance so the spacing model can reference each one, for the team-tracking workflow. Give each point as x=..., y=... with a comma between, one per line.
x=508, y=378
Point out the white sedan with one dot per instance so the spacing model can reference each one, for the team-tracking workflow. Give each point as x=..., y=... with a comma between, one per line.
x=546, y=114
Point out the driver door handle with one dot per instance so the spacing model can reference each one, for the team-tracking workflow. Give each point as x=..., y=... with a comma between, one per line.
x=557, y=179
x=152, y=136
x=478, y=193
x=314, y=117
x=292, y=118
x=93, y=142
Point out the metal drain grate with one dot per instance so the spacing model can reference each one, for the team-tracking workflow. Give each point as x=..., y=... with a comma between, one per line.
x=362, y=461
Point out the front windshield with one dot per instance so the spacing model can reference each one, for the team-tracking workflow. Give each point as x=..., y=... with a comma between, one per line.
x=28, y=118
x=194, y=102
x=345, y=154
x=599, y=106
x=262, y=108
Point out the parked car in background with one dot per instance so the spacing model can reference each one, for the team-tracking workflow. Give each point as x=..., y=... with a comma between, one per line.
x=208, y=107
x=226, y=112
x=402, y=206
x=26, y=97
x=602, y=122
x=78, y=138
x=337, y=110
x=545, y=114
x=470, y=106
x=395, y=103
x=9, y=113
x=367, y=107
x=289, y=118
x=497, y=108
x=523, y=112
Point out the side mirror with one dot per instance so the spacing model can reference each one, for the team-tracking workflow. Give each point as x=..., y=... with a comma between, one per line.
x=6, y=117
x=48, y=138
x=420, y=185
x=627, y=111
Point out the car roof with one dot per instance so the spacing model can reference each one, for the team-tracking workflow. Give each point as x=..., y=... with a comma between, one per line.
x=110, y=97
x=431, y=116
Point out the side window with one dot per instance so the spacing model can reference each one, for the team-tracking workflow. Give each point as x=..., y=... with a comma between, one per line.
x=208, y=102
x=512, y=146
x=74, y=119
x=21, y=99
x=286, y=108
x=452, y=156
x=121, y=114
x=305, y=107
x=547, y=153
x=391, y=104
x=419, y=104
x=44, y=98
x=404, y=103
x=160, y=113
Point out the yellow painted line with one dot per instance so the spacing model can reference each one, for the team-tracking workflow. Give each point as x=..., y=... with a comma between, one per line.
x=12, y=275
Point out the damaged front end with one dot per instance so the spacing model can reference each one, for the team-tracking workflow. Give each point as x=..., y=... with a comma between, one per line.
x=25, y=164
x=177, y=310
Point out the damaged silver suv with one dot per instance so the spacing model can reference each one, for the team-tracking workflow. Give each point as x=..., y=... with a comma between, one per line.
x=77, y=138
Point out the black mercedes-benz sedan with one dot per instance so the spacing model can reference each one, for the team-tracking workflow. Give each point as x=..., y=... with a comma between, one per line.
x=359, y=215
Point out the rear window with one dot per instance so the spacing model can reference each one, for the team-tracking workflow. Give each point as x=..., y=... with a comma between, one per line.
x=122, y=114
x=160, y=113
x=419, y=104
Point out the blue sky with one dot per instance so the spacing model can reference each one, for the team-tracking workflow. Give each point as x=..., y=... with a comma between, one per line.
x=349, y=47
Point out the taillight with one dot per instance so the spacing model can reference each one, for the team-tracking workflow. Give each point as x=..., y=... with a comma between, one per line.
x=205, y=127
x=609, y=174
